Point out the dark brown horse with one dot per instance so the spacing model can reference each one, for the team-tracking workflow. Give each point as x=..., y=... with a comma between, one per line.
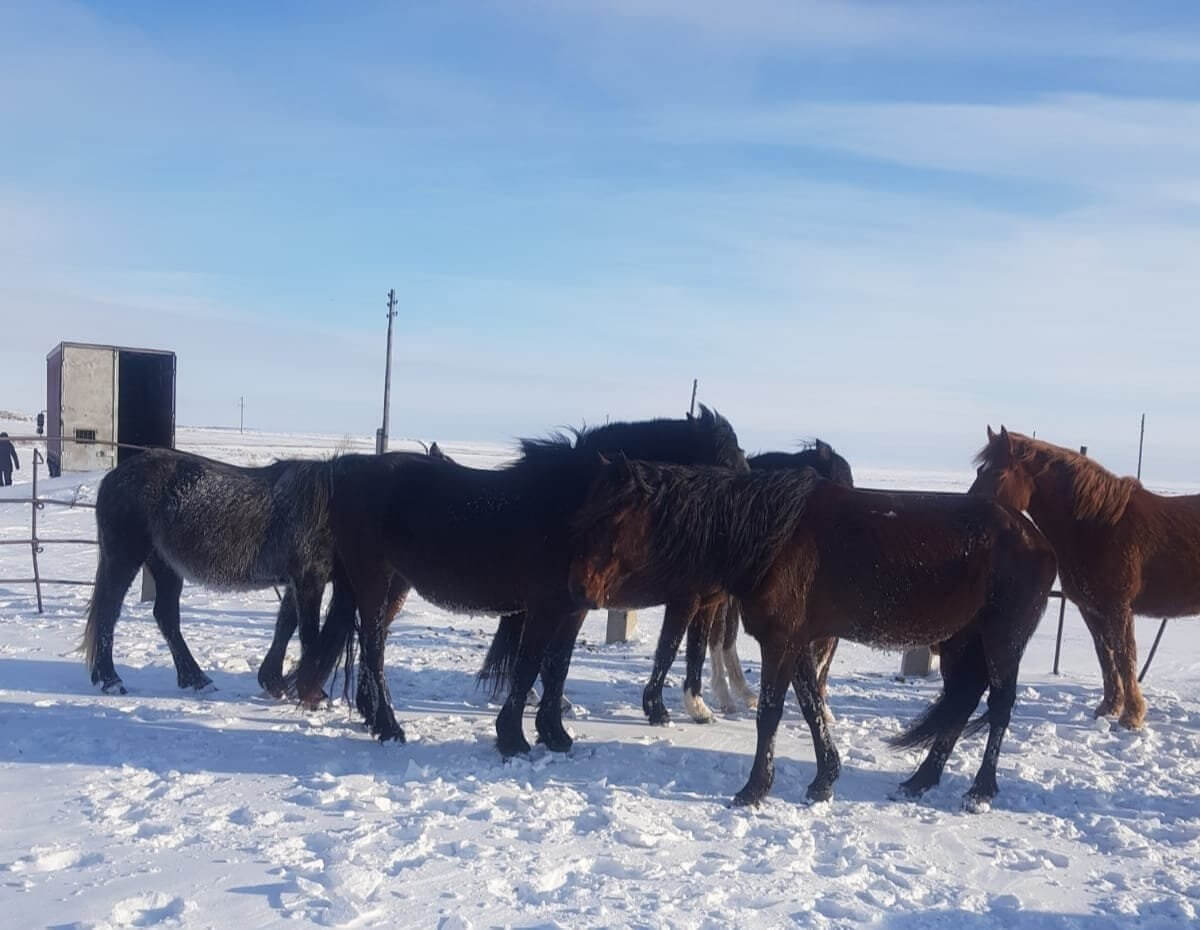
x=809, y=559
x=1121, y=549
x=727, y=675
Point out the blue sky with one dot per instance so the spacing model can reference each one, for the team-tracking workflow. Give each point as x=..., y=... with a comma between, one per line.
x=884, y=224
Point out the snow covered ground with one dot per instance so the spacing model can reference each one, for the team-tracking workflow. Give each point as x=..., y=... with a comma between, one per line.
x=231, y=810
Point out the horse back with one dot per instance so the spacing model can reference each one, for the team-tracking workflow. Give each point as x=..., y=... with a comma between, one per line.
x=218, y=523
x=468, y=538
x=1162, y=541
x=904, y=569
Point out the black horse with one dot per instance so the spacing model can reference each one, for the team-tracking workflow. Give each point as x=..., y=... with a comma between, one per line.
x=184, y=516
x=726, y=674
x=486, y=541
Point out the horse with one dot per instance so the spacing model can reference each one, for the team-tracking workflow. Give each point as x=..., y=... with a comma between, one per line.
x=470, y=540
x=726, y=672
x=708, y=439
x=185, y=516
x=1122, y=550
x=809, y=559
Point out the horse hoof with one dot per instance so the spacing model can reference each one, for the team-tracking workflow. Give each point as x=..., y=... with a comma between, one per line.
x=513, y=746
x=818, y=793
x=974, y=803
x=906, y=792
x=1104, y=709
x=748, y=797
x=116, y=686
x=390, y=734
x=275, y=690
x=658, y=714
x=556, y=742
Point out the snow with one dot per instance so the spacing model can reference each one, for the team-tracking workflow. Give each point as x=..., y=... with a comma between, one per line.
x=164, y=808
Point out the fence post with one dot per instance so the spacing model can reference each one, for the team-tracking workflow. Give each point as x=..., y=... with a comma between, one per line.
x=1062, y=610
x=621, y=625
x=149, y=590
x=33, y=537
x=917, y=663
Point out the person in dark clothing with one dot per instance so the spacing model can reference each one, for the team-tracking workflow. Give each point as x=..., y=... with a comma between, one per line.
x=8, y=460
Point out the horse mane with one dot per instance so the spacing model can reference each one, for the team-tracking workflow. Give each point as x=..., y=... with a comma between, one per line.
x=705, y=439
x=1096, y=493
x=727, y=526
x=816, y=454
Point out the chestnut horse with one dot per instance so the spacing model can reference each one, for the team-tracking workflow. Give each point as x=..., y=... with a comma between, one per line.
x=809, y=559
x=726, y=674
x=1121, y=549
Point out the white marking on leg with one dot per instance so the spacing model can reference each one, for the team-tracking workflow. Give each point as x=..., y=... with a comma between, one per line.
x=720, y=682
x=695, y=707
x=737, y=677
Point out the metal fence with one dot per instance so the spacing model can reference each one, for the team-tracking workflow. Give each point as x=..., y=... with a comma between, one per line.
x=37, y=503
x=38, y=543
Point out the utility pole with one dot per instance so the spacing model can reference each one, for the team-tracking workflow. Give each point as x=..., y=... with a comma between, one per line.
x=692, y=406
x=381, y=438
x=242, y=414
x=1141, y=441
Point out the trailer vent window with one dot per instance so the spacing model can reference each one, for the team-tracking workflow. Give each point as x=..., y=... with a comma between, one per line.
x=85, y=435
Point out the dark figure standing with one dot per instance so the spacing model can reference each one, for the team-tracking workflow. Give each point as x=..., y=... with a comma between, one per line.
x=8, y=460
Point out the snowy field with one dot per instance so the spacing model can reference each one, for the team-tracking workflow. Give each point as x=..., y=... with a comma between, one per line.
x=233, y=810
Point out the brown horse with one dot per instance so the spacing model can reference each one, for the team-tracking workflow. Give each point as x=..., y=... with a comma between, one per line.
x=810, y=559
x=1121, y=549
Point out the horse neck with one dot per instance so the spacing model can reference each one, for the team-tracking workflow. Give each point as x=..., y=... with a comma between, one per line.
x=1052, y=508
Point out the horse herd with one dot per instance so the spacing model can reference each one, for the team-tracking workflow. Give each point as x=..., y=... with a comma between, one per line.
x=666, y=512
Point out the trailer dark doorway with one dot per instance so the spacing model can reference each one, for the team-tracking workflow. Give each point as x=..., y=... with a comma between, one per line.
x=145, y=401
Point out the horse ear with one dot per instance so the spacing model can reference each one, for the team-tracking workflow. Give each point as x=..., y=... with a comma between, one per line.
x=604, y=460
x=1005, y=439
x=991, y=435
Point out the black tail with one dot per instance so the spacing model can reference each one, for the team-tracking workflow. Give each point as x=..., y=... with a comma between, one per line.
x=965, y=683
x=501, y=659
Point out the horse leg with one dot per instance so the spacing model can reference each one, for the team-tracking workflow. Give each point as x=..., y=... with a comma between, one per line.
x=540, y=627
x=374, y=589
x=822, y=656
x=812, y=705
x=733, y=664
x=1008, y=629
x=675, y=621
x=698, y=634
x=168, y=585
x=777, y=665
x=270, y=673
x=1002, y=695
x=1099, y=625
x=114, y=574
x=555, y=663
x=307, y=591
x=1133, y=714
x=718, y=676
x=964, y=676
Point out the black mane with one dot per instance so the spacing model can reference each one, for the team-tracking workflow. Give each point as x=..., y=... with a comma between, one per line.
x=728, y=526
x=708, y=439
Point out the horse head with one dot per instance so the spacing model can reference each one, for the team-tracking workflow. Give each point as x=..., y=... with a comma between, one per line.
x=611, y=532
x=1003, y=474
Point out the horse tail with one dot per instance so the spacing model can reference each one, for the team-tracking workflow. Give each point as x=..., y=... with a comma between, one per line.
x=501, y=659
x=90, y=644
x=965, y=683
